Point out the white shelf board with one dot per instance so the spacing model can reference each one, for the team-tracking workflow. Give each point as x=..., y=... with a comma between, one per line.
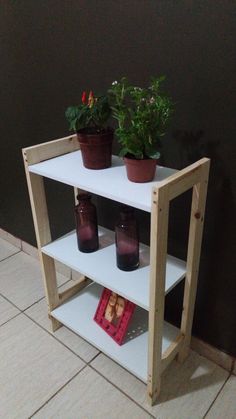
x=77, y=314
x=111, y=183
x=101, y=267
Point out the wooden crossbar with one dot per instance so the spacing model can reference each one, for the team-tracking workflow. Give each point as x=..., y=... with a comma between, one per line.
x=183, y=180
x=64, y=295
x=171, y=352
x=50, y=149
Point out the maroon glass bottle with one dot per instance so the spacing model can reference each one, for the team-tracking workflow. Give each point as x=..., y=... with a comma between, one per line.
x=86, y=224
x=127, y=240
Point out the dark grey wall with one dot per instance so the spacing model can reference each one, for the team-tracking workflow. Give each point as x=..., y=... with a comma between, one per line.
x=52, y=50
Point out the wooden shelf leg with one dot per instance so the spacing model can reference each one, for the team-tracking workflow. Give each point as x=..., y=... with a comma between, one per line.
x=159, y=230
x=55, y=323
x=43, y=237
x=193, y=258
x=50, y=286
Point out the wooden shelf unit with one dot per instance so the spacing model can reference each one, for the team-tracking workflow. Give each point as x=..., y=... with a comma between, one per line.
x=151, y=343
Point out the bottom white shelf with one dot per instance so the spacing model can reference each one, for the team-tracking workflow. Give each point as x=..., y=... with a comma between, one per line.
x=77, y=314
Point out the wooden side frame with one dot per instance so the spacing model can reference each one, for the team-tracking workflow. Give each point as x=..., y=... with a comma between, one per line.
x=33, y=155
x=196, y=177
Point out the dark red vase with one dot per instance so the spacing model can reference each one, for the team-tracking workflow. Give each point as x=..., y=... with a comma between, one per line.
x=127, y=240
x=86, y=224
x=96, y=148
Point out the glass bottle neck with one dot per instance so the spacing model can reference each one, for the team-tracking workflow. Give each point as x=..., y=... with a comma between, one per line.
x=84, y=197
x=126, y=213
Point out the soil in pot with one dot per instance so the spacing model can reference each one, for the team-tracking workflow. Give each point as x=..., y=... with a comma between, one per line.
x=140, y=171
x=96, y=148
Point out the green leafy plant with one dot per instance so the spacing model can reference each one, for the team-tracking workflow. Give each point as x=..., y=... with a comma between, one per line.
x=91, y=115
x=143, y=115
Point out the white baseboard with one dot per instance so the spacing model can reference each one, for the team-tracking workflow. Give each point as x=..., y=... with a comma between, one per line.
x=213, y=354
x=10, y=238
x=29, y=249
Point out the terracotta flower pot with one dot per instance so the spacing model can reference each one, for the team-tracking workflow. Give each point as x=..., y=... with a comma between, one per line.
x=96, y=149
x=140, y=170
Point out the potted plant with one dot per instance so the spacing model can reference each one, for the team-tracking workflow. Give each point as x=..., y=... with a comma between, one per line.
x=143, y=115
x=89, y=121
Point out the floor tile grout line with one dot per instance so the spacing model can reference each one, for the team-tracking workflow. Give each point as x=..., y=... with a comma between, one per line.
x=21, y=249
x=9, y=301
x=42, y=298
x=53, y=336
x=95, y=356
x=43, y=328
x=46, y=330
x=122, y=391
x=32, y=305
x=217, y=395
x=119, y=365
x=18, y=308
x=36, y=302
x=58, y=391
x=13, y=254
x=10, y=319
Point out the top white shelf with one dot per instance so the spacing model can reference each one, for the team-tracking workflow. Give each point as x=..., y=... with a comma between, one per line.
x=110, y=183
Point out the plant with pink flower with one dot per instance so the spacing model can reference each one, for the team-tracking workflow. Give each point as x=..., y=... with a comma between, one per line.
x=143, y=115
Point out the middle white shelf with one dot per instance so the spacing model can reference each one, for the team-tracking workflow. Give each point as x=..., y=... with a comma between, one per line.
x=101, y=267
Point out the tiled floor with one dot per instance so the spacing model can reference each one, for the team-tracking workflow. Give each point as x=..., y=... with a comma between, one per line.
x=46, y=375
